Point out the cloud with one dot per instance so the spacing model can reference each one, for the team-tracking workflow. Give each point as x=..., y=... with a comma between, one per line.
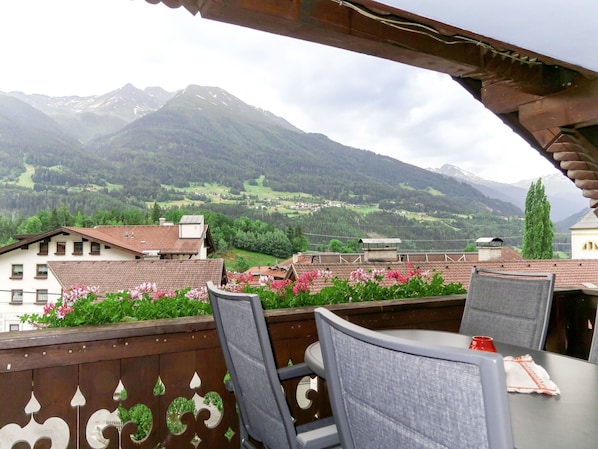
x=70, y=47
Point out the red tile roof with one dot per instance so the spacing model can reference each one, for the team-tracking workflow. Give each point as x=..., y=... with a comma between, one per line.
x=91, y=234
x=163, y=238
x=569, y=273
x=115, y=276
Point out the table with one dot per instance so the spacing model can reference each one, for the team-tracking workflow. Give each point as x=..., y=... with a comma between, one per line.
x=539, y=421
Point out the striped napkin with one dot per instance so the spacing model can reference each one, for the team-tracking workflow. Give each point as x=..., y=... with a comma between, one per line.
x=525, y=376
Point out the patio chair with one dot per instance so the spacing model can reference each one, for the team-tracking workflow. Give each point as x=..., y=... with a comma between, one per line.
x=264, y=414
x=511, y=307
x=593, y=356
x=388, y=392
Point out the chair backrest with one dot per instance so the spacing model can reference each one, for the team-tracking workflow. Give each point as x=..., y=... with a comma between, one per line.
x=593, y=357
x=511, y=307
x=249, y=358
x=389, y=392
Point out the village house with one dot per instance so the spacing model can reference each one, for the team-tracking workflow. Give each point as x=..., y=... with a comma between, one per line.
x=29, y=283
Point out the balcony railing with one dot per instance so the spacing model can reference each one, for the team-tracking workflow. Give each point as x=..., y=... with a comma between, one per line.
x=61, y=388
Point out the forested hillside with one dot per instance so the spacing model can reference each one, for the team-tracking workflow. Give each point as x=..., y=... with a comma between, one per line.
x=202, y=149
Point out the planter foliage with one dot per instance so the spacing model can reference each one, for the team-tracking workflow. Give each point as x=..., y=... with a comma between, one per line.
x=80, y=305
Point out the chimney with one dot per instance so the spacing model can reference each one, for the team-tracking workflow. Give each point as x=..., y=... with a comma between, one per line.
x=489, y=248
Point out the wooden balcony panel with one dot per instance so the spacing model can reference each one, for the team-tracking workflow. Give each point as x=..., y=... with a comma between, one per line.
x=54, y=365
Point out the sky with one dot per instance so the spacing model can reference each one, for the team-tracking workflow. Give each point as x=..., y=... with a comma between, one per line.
x=91, y=47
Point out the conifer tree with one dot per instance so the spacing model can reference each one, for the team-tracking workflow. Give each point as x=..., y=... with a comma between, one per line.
x=538, y=230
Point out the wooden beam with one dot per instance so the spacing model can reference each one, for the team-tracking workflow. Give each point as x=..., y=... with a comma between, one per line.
x=376, y=29
x=573, y=107
x=587, y=184
x=504, y=98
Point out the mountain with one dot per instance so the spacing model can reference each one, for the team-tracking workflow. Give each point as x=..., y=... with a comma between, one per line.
x=152, y=146
x=28, y=136
x=206, y=135
x=93, y=116
x=565, y=198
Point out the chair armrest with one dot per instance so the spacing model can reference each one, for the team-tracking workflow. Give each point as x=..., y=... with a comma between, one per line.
x=290, y=372
x=323, y=437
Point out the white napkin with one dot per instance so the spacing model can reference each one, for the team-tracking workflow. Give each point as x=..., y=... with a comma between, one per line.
x=525, y=376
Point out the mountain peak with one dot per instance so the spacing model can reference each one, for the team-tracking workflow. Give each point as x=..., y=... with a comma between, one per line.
x=217, y=99
x=564, y=197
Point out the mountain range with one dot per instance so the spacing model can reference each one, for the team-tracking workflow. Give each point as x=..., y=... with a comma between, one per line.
x=565, y=198
x=133, y=146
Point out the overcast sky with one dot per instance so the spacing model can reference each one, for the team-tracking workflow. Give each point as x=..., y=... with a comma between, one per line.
x=90, y=47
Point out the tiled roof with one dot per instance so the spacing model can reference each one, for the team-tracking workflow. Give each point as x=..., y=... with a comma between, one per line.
x=135, y=238
x=150, y=237
x=114, y=276
x=575, y=273
x=588, y=221
x=91, y=234
x=277, y=272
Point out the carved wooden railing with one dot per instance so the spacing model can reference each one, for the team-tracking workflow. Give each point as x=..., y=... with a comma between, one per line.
x=61, y=388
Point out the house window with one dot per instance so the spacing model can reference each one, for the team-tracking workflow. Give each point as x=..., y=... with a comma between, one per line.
x=95, y=248
x=78, y=249
x=42, y=271
x=590, y=246
x=13, y=327
x=17, y=271
x=16, y=297
x=60, y=248
x=41, y=296
x=43, y=249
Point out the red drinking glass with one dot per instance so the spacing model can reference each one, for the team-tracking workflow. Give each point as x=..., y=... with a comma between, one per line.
x=482, y=343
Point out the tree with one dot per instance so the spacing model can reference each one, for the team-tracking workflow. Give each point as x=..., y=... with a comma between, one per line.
x=32, y=225
x=156, y=213
x=538, y=230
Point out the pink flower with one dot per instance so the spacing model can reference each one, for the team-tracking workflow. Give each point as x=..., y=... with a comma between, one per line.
x=265, y=280
x=63, y=311
x=398, y=277
x=198, y=294
x=279, y=287
x=325, y=274
x=146, y=288
x=48, y=308
x=75, y=292
x=359, y=275
x=243, y=278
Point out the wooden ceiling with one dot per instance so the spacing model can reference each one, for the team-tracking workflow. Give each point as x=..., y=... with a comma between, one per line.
x=551, y=104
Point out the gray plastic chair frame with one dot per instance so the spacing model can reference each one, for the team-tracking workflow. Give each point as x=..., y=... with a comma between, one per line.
x=511, y=307
x=264, y=414
x=388, y=392
x=593, y=356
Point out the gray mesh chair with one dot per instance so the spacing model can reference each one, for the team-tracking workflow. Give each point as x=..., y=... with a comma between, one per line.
x=264, y=414
x=511, y=307
x=389, y=392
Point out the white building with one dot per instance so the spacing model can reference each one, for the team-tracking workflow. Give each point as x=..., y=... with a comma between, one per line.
x=28, y=284
x=584, y=237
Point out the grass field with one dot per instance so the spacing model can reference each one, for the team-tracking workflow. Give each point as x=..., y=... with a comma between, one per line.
x=253, y=259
